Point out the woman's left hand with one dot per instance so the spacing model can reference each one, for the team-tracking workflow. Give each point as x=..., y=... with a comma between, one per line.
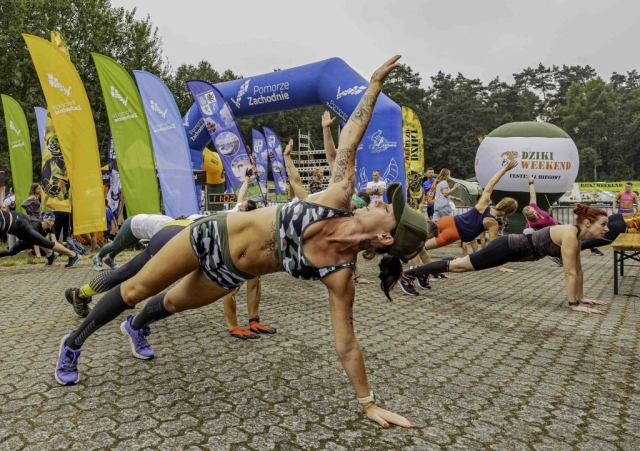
x=363, y=280
x=592, y=302
x=383, y=417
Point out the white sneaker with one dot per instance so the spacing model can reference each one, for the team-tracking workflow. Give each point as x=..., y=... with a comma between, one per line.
x=97, y=263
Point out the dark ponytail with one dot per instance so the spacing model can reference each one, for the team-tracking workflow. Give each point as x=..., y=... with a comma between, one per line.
x=390, y=273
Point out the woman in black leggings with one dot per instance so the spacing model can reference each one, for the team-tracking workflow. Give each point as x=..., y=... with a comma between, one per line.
x=17, y=224
x=554, y=241
x=80, y=297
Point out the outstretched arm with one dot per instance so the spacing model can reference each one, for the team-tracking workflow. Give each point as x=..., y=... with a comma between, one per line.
x=484, y=201
x=295, y=182
x=532, y=191
x=341, y=185
x=341, y=294
x=245, y=184
x=329, y=146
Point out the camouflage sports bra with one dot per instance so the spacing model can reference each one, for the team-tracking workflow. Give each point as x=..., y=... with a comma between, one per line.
x=292, y=219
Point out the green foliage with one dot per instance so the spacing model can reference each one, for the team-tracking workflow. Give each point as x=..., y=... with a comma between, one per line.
x=86, y=26
x=602, y=117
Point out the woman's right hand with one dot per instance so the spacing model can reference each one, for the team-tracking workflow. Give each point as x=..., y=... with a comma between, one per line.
x=383, y=417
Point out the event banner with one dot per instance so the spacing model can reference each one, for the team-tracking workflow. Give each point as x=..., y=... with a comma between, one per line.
x=19, y=149
x=114, y=194
x=413, y=145
x=130, y=136
x=335, y=85
x=277, y=160
x=41, y=119
x=170, y=146
x=595, y=192
x=224, y=132
x=56, y=188
x=261, y=154
x=197, y=134
x=71, y=115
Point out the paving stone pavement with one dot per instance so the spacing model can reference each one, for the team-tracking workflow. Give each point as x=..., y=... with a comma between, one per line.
x=482, y=361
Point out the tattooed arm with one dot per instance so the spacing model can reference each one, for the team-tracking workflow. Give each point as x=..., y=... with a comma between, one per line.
x=329, y=146
x=341, y=185
x=341, y=295
x=295, y=182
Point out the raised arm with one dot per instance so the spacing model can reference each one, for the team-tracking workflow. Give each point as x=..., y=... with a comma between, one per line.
x=329, y=146
x=245, y=184
x=341, y=294
x=341, y=184
x=485, y=200
x=532, y=191
x=295, y=182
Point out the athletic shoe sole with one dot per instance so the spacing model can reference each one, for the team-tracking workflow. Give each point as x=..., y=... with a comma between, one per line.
x=132, y=344
x=74, y=263
x=55, y=372
x=70, y=295
x=415, y=293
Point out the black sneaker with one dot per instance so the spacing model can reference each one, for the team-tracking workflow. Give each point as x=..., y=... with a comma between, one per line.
x=407, y=286
x=423, y=282
x=79, y=305
x=596, y=251
x=52, y=258
x=73, y=261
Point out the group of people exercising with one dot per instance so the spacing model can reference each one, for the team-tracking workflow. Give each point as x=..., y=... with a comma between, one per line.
x=313, y=237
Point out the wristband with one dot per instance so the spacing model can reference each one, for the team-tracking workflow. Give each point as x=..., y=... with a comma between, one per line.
x=367, y=399
x=531, y=181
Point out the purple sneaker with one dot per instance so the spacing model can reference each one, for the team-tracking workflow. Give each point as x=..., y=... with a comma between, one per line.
x=67, y=368
x=140, y=347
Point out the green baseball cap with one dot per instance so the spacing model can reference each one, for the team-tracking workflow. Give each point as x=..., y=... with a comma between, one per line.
x=411, y=233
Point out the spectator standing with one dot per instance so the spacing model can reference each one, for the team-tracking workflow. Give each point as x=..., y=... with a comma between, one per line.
x=315, y=185
x=9, y=204
x=441, y=206
x=429, y=192
x=32, y=204
x=626, y=199
x=377, y=187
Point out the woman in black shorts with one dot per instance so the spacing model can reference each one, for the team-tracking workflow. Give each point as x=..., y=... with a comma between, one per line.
x=18, y=225
x=554, y=241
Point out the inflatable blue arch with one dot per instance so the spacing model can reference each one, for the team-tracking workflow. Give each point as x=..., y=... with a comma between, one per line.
x=331, y=83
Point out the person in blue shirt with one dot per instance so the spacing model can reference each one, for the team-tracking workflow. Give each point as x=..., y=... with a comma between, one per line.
x=429, y=194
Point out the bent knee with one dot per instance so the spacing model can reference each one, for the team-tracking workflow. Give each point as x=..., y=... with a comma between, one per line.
x=133, y=294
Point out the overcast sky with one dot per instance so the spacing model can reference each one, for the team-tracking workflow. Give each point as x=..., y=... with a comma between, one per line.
x=480, y=39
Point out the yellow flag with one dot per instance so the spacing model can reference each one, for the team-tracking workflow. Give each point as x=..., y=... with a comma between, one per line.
x=73, y=121
x=413, y=157
x=57, y=40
